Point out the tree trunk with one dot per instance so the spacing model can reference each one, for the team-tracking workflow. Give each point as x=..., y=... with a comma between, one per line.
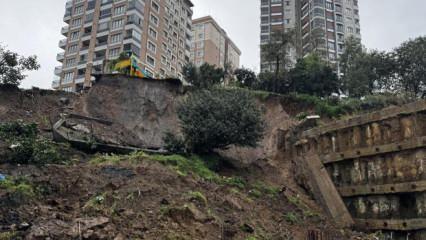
x=277, y=72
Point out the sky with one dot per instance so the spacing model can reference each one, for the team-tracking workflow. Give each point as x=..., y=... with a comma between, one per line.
x=33, y=27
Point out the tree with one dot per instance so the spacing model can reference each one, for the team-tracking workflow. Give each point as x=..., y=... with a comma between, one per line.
x=13, y=67
x=218, y=118
x=411, y=66
x=365, y=72
x=271, y=83
x=204, y=76
x=313, y=76
x=277, y=49
x=245, y=77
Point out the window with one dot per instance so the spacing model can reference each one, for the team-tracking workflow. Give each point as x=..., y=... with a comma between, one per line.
x=115, y=38
x=74, y=35
x=150, y=60
x=70, y=62
x=152, y=47
x=152, y=33
x=340, y=28
x=114, y=52
x=67, y=89
x=79, y=9
x=102, y=27
x=73, y=48
x=348, y=11
x=154, y=20
x=117, y=24
x=68, y=77
x=331, y=46
x=155, y=6
x=119, y=10
x=76, y=22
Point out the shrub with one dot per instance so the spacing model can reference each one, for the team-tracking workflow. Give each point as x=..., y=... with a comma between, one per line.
x=218, y=118
x=174, y=144
x=26, y=147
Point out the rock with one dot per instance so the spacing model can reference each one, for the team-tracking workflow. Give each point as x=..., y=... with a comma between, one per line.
x=119, y=237
x=83, y=225
x=24, y=226
x=233, y=203
x=247, y=228
x=64, y=100
x=164, y=202
x=187, y=213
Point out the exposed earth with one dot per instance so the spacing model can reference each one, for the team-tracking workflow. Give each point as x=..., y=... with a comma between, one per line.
x=142, y=196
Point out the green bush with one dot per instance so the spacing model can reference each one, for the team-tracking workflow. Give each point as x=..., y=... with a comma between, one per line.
x=27, y=147
x=218, y=118
x=18, y=187
x=18, y=129
x=174, y=144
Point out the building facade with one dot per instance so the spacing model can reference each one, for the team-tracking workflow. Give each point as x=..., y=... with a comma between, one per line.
x=320, y=26
x=326, y=24
x=158, y=32
x=211, y=44
x=277, y=16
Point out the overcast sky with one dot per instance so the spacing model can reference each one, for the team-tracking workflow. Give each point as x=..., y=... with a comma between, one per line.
x=33, y=27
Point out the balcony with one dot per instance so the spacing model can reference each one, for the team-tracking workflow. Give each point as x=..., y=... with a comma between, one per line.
x=58, y=70
x=63, y=43
x=80, y=79
x=60, y=57
x=55, y=84
x=65, y=30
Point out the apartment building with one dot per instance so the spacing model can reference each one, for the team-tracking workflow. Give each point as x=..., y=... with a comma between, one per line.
x=211, y=44
x=277, y=16
x=321, y=26
x=325, y=24
x=158, y=32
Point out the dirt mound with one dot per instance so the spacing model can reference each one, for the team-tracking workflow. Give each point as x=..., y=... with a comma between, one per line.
x=142, y=199
x=35, y=105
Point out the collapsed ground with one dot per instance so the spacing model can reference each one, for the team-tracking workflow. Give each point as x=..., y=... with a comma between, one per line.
x=142, y=196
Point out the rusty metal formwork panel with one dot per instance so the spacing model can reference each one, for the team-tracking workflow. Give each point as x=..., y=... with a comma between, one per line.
x=377, y=162
x=317, y=235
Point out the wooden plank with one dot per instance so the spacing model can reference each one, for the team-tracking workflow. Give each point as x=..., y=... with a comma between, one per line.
x=372, y=151
x=417, y=186
x=391, y=112
x=326, y=192
x=391, y=224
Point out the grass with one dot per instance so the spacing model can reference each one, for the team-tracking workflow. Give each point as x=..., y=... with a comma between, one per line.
x=306, y=211
x=198, y=196
x=335, y=108
x=262, y=189
x=292, y=218
x=96, y=203
x=18, y=186
x=182, y=165
x=7, y=235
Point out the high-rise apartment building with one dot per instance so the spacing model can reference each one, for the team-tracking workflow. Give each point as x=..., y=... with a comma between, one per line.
x=321, y=26
x=158, y=32
x=277, y=16
x=211, y=44
x=325, y=24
